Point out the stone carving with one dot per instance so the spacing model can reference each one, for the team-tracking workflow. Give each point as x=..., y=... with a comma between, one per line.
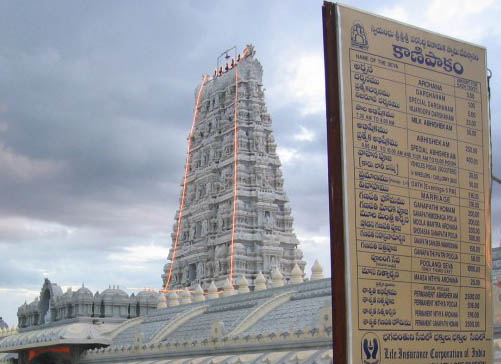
x=296, y=275
x=204, y=227
x=217, y=329
x=317, y=272
x=48, y=316
x=243, y=285
x=212, y=291
x=260, y=282
x=200, y=270
x=325, y=315
x=185, y=297
x=172, y=299
x=264, y=223
x=199, y=294
x=55, y=306
x=277, y=278
x=139, y=337
x=162, y=302
x=227, y=289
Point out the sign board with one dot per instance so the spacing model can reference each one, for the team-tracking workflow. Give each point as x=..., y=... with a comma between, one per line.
x=411, y=114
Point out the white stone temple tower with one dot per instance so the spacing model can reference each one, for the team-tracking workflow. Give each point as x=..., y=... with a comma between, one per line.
x=263, y=237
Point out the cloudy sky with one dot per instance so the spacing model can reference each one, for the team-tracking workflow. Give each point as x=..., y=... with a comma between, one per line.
x=96, y=101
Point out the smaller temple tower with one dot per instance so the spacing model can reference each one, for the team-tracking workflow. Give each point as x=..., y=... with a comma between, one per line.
x=3, y=324
x=111, y=305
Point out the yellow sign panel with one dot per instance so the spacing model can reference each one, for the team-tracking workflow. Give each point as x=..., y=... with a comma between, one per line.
x=417, y=180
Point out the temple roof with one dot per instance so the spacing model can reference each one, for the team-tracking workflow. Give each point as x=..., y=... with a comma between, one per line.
x=291, y=318
x=74, y=333
x=288, y=323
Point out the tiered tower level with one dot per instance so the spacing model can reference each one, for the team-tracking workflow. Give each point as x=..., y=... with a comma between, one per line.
x=234, y=217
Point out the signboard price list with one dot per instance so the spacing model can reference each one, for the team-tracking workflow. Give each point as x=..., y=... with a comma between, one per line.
x=419, y=195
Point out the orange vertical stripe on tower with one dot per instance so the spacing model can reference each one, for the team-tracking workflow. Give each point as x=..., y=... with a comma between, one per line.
x=235, y=177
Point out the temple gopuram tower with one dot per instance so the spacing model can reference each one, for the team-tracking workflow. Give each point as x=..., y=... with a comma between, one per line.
x=234, y=217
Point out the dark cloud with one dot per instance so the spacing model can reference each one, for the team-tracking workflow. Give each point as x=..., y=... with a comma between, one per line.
x=96, y=101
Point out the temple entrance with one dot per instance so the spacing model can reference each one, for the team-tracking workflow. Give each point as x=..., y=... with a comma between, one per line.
x=44, y=307
x=54, y=355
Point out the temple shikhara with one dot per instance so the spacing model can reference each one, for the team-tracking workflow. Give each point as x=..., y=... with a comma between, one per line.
x=234, y=289
x=234, y=218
